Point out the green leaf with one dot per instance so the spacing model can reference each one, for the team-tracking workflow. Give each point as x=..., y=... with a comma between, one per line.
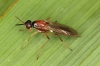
x=82, y=15
x=4, y=5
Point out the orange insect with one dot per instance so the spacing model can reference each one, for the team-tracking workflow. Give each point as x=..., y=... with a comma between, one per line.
x=45, y=26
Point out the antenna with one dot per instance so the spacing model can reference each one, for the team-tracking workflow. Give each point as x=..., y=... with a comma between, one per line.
x=19, y=19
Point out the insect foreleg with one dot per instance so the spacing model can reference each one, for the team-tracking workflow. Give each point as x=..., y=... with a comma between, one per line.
x=29, y=39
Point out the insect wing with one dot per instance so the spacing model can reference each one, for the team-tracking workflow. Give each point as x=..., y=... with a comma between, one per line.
x=62, y=29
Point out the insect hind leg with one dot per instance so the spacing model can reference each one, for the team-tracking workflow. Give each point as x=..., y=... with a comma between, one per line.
x=63, y=42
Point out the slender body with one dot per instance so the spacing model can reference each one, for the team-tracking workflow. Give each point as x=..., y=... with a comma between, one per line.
x=45, y=26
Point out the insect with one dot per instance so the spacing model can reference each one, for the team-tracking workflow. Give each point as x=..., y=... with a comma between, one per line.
x=46, y=26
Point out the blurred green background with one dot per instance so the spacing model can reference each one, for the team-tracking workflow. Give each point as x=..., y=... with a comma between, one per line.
x=4, y=5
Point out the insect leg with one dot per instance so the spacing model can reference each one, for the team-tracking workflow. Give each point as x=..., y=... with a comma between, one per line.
x=29, y=39
x=48, y=19
x=43, y=45
x=32, y=35
x=21, y=30
x=64, y=43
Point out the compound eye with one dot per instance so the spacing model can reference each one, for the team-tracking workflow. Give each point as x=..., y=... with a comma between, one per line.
x=28, y=24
